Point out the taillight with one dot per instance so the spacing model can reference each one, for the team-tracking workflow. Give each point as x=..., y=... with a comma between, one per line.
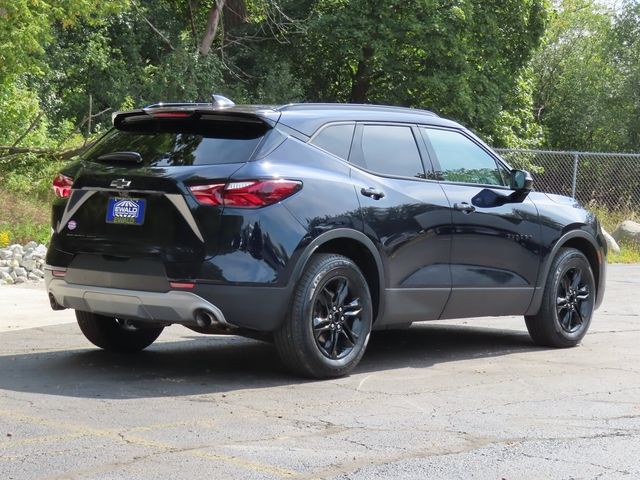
x=62, y=186
x=249, y=194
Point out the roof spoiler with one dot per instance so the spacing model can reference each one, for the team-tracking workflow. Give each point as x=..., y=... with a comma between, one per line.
x=221, y=108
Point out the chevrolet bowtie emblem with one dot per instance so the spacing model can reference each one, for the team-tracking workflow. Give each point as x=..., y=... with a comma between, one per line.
x=121, y=183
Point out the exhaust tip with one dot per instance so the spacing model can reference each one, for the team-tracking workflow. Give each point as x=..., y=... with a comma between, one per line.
x=54, y=303
x=204, y=318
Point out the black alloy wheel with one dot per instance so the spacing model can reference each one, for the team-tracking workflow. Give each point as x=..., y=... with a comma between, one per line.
x=573, y=302
x=567, y=302
x=337, y=324
x=327, y=329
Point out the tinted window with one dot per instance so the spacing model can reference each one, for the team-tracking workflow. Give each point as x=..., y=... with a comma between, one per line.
x=335, y=139
x=163, y=144
x=461, y=160
x=391, y=150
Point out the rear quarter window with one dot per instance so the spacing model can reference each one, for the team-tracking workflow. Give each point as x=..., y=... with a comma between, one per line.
x=335, y=139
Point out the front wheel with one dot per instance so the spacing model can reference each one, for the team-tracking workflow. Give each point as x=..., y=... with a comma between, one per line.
x=567, y=303
x=114, y=334
x=328, y=325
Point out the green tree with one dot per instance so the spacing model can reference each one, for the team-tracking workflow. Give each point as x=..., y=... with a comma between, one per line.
x=26, y=27
x=462, y=59
x=586, y=78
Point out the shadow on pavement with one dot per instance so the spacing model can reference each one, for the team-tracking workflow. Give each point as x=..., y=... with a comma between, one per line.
x=202, y=364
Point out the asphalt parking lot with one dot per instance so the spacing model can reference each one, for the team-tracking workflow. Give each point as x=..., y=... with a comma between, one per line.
x=463, y=399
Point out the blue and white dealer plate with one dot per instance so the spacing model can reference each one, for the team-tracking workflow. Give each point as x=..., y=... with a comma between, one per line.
x=128, y=211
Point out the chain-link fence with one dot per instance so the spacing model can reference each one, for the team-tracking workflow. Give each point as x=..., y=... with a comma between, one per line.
x=609, y=180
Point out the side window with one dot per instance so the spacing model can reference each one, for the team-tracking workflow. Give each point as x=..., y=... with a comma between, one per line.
x=391, y=150
x=335, y=139
x=461, y=160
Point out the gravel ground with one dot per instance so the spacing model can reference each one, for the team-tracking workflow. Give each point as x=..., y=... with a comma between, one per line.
x=462, y=399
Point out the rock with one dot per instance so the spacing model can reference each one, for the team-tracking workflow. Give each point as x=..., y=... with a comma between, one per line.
x=611, y=242
x=31, y=246
x=3, y=263
x=19, y=280
x=39, y=273
x=627, y=230
x=13, y=263
x=16, y=249
x=6, y=278
x=29, y=264
x=20, y=272
x=6, y=270
x=33, y=276
x=18, y=258
x=40, y=251
x=5, y=254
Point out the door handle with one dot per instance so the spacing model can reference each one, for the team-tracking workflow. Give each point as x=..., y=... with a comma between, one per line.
x=372, y=192
x=464, y=207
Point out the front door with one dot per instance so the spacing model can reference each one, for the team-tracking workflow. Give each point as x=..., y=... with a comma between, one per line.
x=495, y=244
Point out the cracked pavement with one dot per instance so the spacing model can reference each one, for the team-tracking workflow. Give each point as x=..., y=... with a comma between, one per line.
x=470, y=398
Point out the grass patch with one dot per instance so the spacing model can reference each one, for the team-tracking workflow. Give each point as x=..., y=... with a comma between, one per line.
x=610, y=219
x=25, y=198
x=629, y=253
x=23, y=219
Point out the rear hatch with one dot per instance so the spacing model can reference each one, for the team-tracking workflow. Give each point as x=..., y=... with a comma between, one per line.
x=131, y=193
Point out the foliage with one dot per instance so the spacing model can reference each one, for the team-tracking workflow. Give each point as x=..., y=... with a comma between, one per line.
x=461, y=59
x=586, y=78
x=27, y=219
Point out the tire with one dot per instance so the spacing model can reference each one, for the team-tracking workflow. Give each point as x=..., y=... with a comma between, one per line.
x=316, y=340
x=114, y=335
x=567, y=302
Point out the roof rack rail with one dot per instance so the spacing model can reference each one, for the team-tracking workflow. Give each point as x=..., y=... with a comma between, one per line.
x=364, y=106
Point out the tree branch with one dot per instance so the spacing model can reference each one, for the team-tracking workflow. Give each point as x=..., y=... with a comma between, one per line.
x=58, y=154
x=194, y=32
x=31, y=127
x=166, y=40
x=212, y=27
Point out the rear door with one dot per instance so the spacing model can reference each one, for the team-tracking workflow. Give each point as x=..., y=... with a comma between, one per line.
x=407, y=216
x=495, y=249
x=131, y=195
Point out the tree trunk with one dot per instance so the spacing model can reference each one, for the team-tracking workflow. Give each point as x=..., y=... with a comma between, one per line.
x=361, y=82
x=212, y=27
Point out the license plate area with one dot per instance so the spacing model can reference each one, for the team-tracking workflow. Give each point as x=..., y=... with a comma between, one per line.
x=126, y=211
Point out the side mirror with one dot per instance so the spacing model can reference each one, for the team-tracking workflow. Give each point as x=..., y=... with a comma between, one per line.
x=521, y=183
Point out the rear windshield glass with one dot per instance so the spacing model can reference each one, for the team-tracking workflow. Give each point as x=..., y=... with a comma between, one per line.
x=164, y=143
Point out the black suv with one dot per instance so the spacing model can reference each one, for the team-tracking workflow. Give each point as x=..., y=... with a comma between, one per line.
x=311, y=225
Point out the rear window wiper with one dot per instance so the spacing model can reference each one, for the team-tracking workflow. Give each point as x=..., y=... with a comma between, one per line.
x=124, y=157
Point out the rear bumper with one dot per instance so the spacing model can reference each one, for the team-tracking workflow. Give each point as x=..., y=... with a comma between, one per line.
x=164, y=307
x=251, y=307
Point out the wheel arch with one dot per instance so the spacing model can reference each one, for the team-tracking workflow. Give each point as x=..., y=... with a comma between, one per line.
x=581, y=241
x=359, y=248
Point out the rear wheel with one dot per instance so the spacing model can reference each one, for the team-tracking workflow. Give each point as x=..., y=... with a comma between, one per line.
x=116, y=335
x=328, y=325
x=567, y=303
